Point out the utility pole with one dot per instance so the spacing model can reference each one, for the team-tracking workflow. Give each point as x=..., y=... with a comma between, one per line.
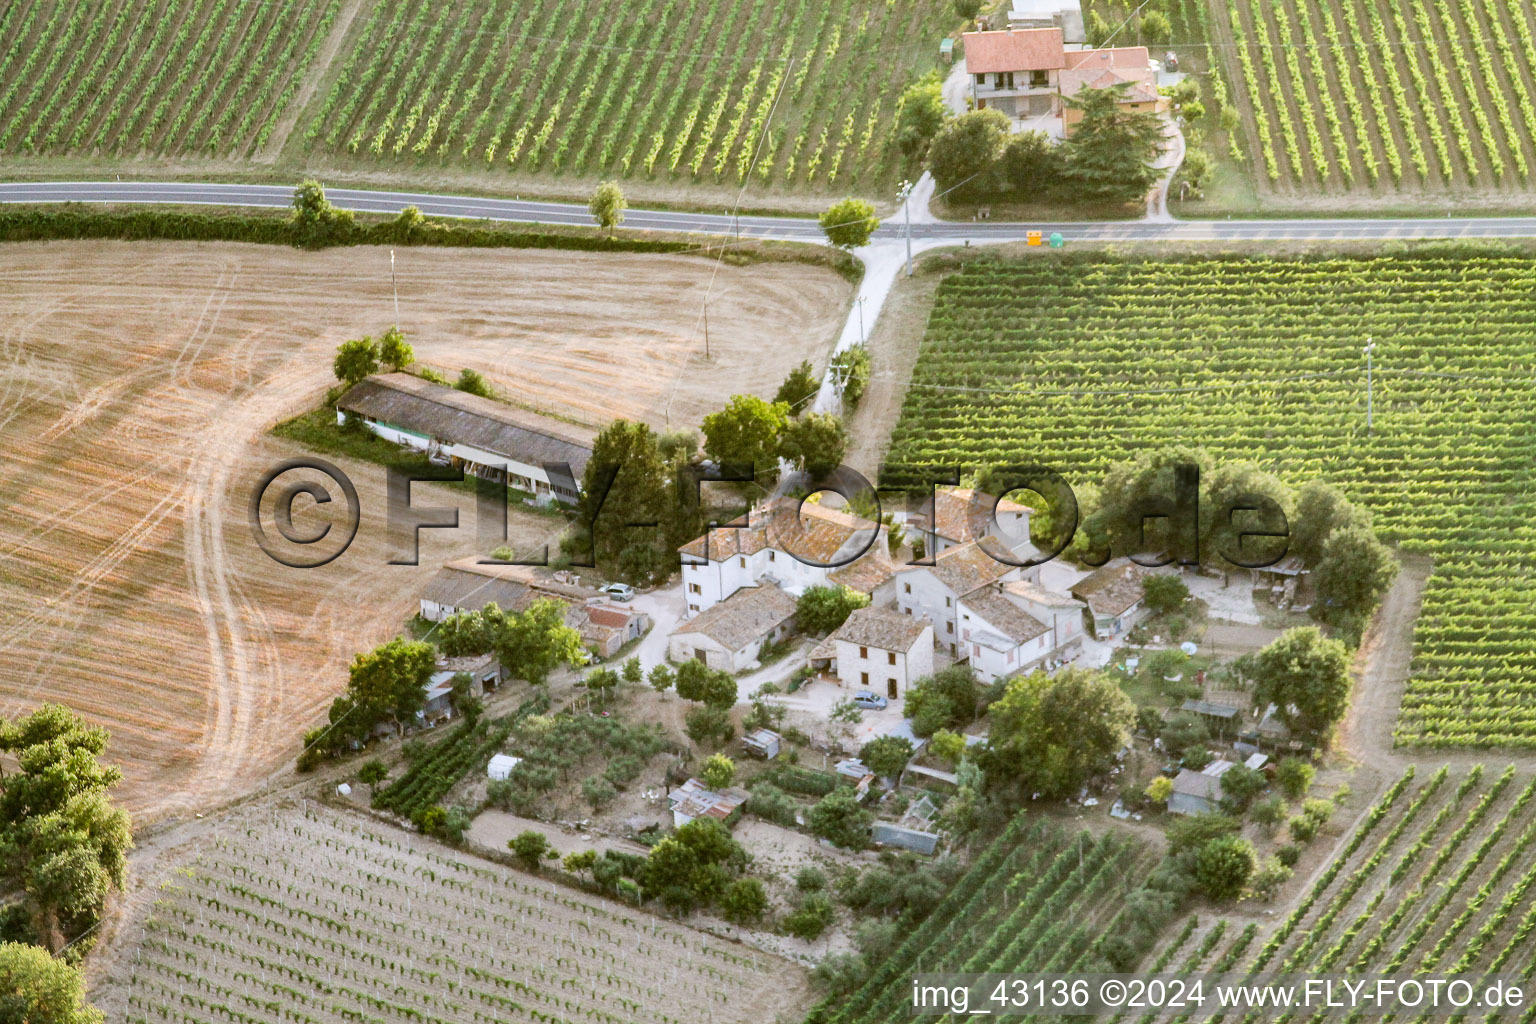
x=906, y=205
x=706, y=330
x=1369, y=346
x=860, y=301
x=394, y=286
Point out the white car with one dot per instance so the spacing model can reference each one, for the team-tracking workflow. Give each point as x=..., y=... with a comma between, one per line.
x=620, y=591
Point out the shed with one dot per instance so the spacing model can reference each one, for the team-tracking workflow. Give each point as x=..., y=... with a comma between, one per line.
x=763, y=743
x=501, y=766
x=1223, y=716
x=947, y=49
x=694, y=800
x=887, y=834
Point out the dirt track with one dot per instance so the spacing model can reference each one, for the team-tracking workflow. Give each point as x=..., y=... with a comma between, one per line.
x=137, y=385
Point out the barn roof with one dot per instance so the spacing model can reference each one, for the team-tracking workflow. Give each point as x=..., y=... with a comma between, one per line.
x=455, y=588
x=1111, y=590
x=745, y=616
x=447, y=414
x=823, y=535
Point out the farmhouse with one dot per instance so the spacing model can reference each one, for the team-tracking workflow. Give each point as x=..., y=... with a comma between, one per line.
x=933, y=592
x=774, y=545
x=490, y=439
x=882, y=650
x=1113, y=595
x=1030, y=74
x=728, y=636
x=959, y=515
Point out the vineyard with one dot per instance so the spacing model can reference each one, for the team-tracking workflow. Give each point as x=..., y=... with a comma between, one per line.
x=1373, y=94
x=729, y=93
x=312, y=917
x=1437, y=878
x=1035, y=900
x=123, y=77
x=1080, y=363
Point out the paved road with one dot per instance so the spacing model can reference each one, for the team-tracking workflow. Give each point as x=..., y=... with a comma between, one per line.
x=526, y=211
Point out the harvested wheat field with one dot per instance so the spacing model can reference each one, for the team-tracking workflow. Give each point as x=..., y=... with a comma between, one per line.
x=138, y=383
x=318, y=916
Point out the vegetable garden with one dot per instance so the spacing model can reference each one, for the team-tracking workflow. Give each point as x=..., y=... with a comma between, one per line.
x=193, y=77
x=1437, y=878
x=1082, y=362
x=1363, y=94
x=669, y=90
x=314, y=917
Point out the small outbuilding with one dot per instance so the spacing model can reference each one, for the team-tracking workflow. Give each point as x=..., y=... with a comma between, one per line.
x=501, y=766
x=1113, y=595
x=763, y=743
x=694, y=800
x=727, y=636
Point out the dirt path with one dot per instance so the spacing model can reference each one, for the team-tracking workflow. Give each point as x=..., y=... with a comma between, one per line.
x=1381, y=666
x=319, y=71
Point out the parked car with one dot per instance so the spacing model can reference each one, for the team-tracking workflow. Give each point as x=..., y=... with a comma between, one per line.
x=620, y=591
x=870, y=701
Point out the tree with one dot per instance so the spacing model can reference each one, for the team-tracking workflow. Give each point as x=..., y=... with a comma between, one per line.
x=718, y=771
x=625, y=481
x=607, y=205
x=465, y=697
x=824, y=607
x=597, y=791
x=1239, y=785
x=580, y=861
x=1321, y=510
x=1193, y=831
x=816, y=443
x=536, y=642
x=1227, y=487
x=966, y=149
x=36, y=988
x=394, y=351
x=811, y=918
x=1155, y=27
x=1050, y=734
x=1294, y=777
x=316, y=217
x=746, y=432
x=390, y=682
x=661, y=678
x=1164, y=593
x=1352, y=573
x=1031, y=164
x=798, y=388
x=840, y=819
x=923, y=113
x=372, y=773
x=848, y=224
x=851, y=367
x=886, y=756
x=355, y=360
x=529, y=847
x=744, y=901
x=600, y=682
x=708, y=725
x=1109, y=152
x=946, y=745
x=967, y=10
x=63, y=844
x=1306, y=676
x=1223, y=867
x=1160, y=789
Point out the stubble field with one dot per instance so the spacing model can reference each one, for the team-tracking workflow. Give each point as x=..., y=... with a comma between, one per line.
x=138, y=383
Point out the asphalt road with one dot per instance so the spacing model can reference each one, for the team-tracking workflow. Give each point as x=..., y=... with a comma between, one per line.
x=527, y=211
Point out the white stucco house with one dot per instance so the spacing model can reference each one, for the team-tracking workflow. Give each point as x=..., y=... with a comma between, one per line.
x=790, y=546
x=1113, y=595
x=959, y=515
x=493, y=440
x=882, y=650
x=727, y=636
x=933, y=592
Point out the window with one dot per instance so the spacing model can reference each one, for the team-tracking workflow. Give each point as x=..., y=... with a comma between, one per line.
x=863, y=652
x=907, y=610
x=948, y=603
x=1003, y=80
x=890, y=657
x=742, y=561
x=981, y=79
x=863, y=678
x=1039, y=79
x=694, y=588
x=906, y=588
x=771, y=554
x=693, y=607
x=949, y=627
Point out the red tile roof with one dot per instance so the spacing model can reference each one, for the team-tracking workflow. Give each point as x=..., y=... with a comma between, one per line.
x=1027, y=49
x=1114, y=57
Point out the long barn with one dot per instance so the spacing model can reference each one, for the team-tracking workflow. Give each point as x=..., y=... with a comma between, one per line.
x=487, y=438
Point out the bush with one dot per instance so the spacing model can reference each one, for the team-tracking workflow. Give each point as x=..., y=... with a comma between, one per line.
x=1271, y=811
x=1294, y=777
x=771, y=803
x=810, y=879
x=598, y=791
x=1224, y=866
x=1288, y=855
x=744, y=901
x=1303, y=828
x=811, y=918
x=1195, y=830
x=1165, y=593
x=841, y=973
x=529, y=847
x=840, y=819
